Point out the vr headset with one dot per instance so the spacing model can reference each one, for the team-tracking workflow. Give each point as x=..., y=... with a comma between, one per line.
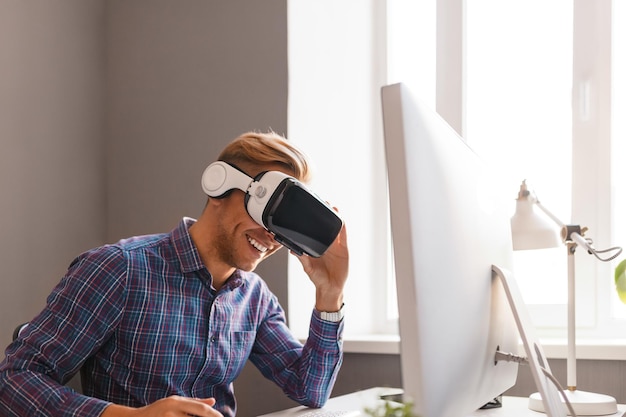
x=299, y=219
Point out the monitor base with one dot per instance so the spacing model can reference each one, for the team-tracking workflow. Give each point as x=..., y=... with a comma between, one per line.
x=584, y=403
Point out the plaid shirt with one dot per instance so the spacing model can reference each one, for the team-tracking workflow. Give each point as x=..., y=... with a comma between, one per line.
x=142, y=320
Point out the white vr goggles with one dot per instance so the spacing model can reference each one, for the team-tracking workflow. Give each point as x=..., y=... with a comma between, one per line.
x=299, y=219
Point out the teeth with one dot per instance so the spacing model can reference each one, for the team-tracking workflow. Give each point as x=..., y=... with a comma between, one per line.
x=257, y=245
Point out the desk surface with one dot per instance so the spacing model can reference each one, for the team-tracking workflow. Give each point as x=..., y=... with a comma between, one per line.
x=511, y=406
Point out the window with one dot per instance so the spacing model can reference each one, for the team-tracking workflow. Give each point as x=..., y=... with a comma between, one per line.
x=530, y=85
x=618, y=135
x=518, y=116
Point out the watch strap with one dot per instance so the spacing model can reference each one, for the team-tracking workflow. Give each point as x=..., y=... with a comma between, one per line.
x=334, y=316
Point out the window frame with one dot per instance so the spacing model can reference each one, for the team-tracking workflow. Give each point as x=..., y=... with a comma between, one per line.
x=591, y=197
x=591, y=153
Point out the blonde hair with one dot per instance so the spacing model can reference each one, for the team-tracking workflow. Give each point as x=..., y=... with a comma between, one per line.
x=252, y=150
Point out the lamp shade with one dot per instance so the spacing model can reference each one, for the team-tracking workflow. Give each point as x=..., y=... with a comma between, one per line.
x=531, y=228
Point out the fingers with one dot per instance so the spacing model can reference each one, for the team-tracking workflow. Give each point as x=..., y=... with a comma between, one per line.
x=209, y=401
x=181, y=406
x=200, y=407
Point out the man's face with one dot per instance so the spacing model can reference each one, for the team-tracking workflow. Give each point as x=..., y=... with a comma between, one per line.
x=243, y=243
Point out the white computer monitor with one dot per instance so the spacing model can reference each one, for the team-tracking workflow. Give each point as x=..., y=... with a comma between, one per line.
x=448, y=229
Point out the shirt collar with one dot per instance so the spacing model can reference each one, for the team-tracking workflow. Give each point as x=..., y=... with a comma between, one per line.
x=189, y=257
x=185, y=249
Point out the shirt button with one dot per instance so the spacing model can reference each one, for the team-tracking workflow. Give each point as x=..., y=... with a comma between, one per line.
x=213, y=339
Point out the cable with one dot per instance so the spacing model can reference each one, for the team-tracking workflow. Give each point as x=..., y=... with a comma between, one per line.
x=595, y=252
x=511, y=357
x=575, y=235
x=561, y=390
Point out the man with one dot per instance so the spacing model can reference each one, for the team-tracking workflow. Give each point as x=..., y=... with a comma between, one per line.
x=162, y=324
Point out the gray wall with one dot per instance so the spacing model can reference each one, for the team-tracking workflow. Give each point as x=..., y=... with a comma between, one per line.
x=109, y=112
x=52, y=165
x=183, y=79
x=601, y=376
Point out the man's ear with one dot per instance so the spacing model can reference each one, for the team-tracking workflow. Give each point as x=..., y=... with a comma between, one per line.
x=212, y=201
x=222, y=200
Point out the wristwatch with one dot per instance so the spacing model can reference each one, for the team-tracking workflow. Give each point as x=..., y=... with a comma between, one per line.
x=334, y=316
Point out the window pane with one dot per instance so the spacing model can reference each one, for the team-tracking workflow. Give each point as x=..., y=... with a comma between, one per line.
x=411, y=46
x=618, y=134
x=411, y=59
x=518, y=116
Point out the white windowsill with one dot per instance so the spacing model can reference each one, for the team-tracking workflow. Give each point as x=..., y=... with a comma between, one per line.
x=386, y=344
x=613, y=349
x=604, y=349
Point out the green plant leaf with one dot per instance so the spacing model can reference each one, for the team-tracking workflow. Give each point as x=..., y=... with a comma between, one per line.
x=391, y=409
x=620, y=280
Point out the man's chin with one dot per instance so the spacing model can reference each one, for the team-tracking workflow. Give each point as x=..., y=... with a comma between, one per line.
x=253, y=265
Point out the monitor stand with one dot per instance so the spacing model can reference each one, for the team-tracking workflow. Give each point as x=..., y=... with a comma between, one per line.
x=540, y=369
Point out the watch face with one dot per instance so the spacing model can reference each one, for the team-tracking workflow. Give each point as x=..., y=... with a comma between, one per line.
x=300, y=220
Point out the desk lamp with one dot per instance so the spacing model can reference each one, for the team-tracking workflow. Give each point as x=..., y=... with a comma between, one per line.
x=532, y=230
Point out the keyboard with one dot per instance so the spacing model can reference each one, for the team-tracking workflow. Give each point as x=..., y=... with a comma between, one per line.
x=330, y=413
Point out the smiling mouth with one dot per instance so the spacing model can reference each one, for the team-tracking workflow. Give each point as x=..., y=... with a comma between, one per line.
x=257, y=245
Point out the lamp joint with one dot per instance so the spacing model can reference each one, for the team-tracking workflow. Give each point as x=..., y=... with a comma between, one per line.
x=568, y=229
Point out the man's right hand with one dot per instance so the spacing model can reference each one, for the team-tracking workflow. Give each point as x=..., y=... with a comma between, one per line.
x=174, y=406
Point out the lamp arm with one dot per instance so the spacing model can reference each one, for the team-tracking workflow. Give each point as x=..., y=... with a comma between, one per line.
x=550, y=215
x=579, y=239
